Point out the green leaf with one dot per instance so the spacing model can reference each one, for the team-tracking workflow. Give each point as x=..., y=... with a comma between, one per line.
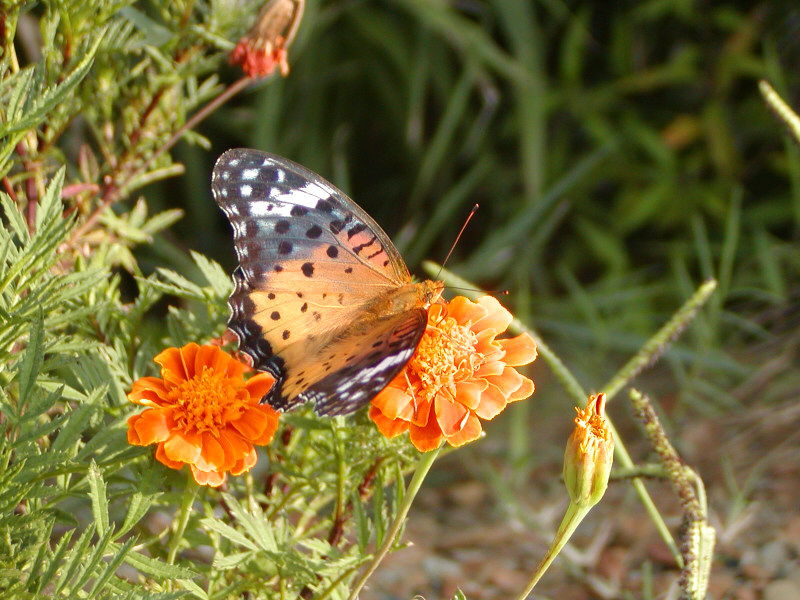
x=214, y=274
x=194, y=588
x=49, y=208
x=32, y=362
x=15, y=220
x=91, y=562
x=228, y=532
x=97, y=493
x=37, y=109
x=61, y=549
x=75, y=424
x=361, y=522
x=143, y=498
x=156, y=568
x=254, y=524
x=111, y=567
x=182, y=286
x=73, y=562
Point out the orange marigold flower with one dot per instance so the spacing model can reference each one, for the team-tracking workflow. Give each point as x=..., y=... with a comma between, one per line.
x=202, y=412
x=265, y=46
x=458, y=375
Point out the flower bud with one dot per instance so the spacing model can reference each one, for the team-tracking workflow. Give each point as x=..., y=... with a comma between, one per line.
x=589, y=454
x=266, y=45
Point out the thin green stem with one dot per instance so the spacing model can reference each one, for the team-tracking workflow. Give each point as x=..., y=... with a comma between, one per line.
x=189, y=495
x=423, y=466
x=572, y=518
x=783, y=110
x=658, y=344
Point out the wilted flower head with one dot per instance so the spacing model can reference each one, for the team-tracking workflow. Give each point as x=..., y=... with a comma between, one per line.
x=266, y=45
x=589, y=453
x=458, y=375
x=202, y=412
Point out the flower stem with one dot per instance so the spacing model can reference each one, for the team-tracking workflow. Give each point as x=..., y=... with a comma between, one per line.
x=658, y=344
x=782, y=110
x=189, y=495
x=423, y=466
x=572, y=518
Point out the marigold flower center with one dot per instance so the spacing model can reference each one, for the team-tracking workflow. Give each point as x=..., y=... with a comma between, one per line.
x=445, y=355
x=206, y=402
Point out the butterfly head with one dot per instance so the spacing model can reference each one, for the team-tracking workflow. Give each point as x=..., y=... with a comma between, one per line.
x=431, y=291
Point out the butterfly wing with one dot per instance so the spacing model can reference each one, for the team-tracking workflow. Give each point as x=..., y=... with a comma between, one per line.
x=311, y=266
x=347, y=373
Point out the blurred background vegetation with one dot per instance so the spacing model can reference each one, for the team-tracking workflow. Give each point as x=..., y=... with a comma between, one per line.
x=620, y=152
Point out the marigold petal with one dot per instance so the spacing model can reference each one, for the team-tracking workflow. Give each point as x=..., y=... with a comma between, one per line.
x=209, y=478
x=161, y=456
x=271, y=427
x=183, y=446
x=465, y=311
x=388, y=427
x=149, y=391
x=394, y=403
x=520, y=350
x=173, y=368
x=493, y=401
x=525, y=390
x=230, y=453
x=498, y=318
x=508, y=382
x=450, y=415
x=490, y=368
x=188, y=355
x=469, y=393
x=426, y=438
x=149, y=427
x=252, y=423
x=238, y=445
x=245, y=463
x=470, y=432
x=212, y=454
x=216, y=359
x=258, y=385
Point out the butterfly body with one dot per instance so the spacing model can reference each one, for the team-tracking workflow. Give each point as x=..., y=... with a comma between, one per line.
x=322, y=299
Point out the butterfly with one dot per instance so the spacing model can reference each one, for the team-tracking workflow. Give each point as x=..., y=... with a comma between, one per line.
x=322, y=299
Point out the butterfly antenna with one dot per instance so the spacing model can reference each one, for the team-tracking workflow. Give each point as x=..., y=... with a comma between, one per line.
x=458, y=237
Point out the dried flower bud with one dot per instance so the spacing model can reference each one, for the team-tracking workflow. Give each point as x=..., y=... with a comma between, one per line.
x=589, y=454
x=265, y=46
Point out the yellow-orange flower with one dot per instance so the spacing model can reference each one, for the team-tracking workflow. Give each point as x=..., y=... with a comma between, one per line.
x=458, y=375
x=203, y=413
x=589, y=453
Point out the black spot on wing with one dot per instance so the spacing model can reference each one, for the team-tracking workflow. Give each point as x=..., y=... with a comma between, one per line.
x=251, y=339
x=298, y=211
